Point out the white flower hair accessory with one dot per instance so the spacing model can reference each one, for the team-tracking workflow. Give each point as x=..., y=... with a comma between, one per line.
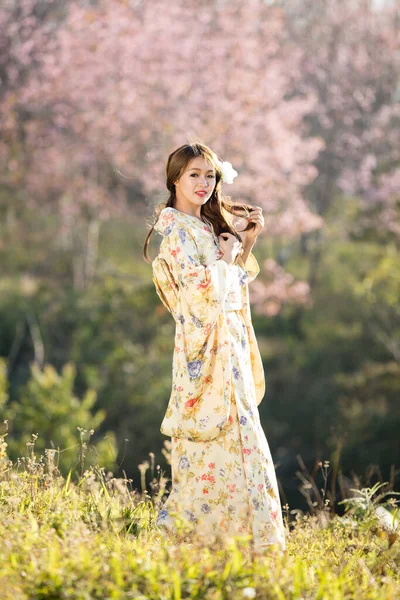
x=228, y=172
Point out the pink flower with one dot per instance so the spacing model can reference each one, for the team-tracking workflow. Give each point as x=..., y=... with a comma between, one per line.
x=204, y=285
x=207, y=328
x=190, y=403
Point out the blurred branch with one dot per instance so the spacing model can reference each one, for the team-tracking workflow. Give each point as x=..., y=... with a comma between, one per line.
x=37, y=340
x=15, y=346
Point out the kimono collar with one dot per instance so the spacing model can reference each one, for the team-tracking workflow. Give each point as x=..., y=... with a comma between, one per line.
x=169, y=217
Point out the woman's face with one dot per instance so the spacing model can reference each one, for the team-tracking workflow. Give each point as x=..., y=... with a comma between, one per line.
x=199, y=176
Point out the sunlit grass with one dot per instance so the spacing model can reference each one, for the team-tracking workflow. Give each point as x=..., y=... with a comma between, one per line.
x=96, y=537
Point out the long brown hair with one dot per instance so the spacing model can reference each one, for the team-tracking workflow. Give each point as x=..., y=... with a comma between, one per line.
x=216, y=209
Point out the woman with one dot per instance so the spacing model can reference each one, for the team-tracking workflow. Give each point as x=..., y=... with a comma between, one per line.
x=223, y=476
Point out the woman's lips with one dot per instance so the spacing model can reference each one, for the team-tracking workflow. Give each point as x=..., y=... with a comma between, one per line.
x=201, y=193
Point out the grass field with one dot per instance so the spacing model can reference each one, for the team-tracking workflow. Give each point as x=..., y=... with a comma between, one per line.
x=95, y=537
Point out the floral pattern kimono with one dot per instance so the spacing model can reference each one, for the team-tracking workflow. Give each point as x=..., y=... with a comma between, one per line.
x=223, y=476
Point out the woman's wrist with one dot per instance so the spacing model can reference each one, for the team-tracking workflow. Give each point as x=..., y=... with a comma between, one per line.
x=248, y=245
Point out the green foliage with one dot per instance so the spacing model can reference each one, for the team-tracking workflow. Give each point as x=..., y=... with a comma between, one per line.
x=363, y=503
x=332, y=366
x=123, y=345
x=47, y=404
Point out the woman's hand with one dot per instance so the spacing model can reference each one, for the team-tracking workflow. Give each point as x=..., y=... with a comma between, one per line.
x=255, y=216
x=249, y=237
x=230, y=246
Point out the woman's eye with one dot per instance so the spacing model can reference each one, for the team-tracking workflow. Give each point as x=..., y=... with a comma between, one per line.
x=195, y=175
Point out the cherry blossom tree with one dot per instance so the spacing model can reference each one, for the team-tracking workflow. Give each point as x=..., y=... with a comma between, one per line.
x=301, y=98
x=121, y=84
x=351, y=62
x=25, y=29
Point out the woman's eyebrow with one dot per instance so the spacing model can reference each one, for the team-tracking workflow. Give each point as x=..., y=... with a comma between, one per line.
x=197, y=169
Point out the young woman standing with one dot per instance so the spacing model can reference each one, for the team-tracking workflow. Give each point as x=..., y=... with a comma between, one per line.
x=223, y=476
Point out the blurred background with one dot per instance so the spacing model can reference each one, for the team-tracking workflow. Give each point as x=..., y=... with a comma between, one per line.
x=303, y=98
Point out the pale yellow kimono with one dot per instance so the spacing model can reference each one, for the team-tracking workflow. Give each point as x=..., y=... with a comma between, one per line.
x=223, y=476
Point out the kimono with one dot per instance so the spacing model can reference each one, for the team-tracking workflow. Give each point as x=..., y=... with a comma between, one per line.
x=223, y=476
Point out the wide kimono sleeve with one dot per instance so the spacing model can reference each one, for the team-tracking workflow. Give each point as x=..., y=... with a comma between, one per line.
x=203, y=288
x=251, y=266
x=252, y=269
x=200, y=400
